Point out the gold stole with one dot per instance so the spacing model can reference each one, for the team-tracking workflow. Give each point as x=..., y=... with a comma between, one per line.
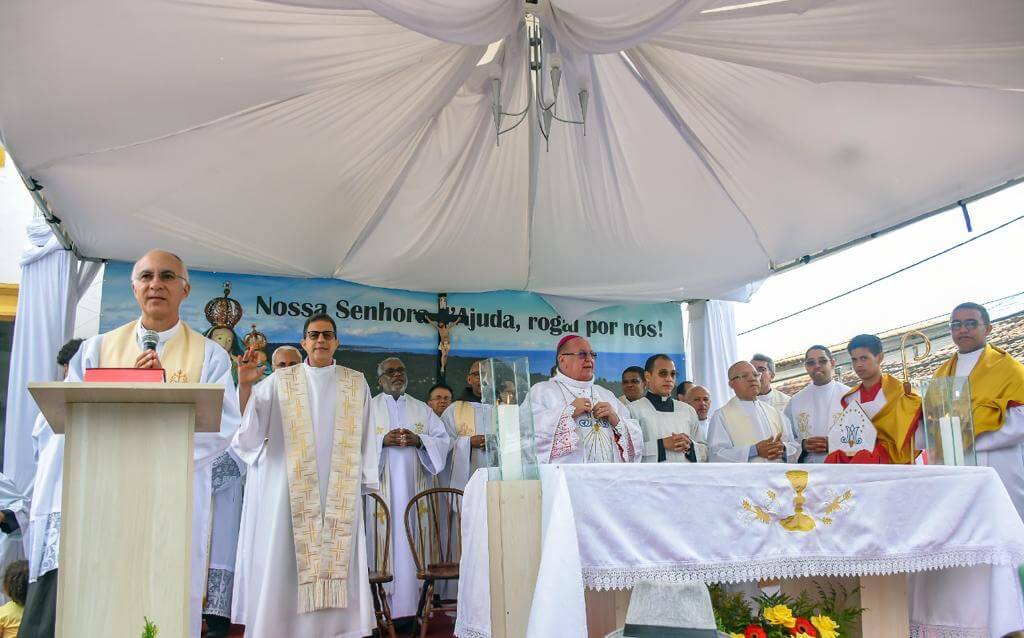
x=741, y=428
x=996, y=381
x=182, y=355
x=323, y=540
x=895, y=420
x=465, y=418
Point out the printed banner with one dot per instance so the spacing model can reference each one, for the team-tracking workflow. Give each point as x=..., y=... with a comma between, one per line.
x=375, y=323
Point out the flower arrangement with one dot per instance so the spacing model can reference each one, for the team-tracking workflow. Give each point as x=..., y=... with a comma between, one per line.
x=782, y=616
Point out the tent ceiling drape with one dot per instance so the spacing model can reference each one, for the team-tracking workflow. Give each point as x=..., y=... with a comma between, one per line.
x=356, y=140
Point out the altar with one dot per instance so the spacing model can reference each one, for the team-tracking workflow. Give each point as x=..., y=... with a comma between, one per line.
x=952, y=530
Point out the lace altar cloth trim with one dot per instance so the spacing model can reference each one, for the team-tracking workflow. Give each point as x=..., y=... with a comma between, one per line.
x=937, y=631
x=462, y=631
x=626, y=577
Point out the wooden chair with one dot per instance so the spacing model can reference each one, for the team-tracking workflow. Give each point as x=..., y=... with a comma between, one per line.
x=433, y=524
x=380, y=568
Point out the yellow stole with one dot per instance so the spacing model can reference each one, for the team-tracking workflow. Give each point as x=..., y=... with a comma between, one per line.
x=741, y=428
x=182, y=355
x=996, y=381
x=323, y=540
x=465, y=419
x=896, y=418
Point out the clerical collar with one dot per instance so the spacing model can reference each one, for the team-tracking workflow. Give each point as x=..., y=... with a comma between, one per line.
x=317, y=368
x=660, y=403
x=572, y=383
x=162, y=336
x=387, y=395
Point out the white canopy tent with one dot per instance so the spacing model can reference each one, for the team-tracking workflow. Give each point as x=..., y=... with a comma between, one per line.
x=356, y=139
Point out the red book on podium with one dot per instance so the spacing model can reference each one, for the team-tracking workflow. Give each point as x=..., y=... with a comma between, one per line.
x=125, y=375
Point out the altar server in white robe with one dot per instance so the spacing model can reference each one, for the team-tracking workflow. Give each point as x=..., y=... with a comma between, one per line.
x=42, y=534
x=160, y=283
x=746, y=430
x=670, y=427
x=818, y=406
x=699, y=398
x=413, y=445
x=246, y=563
x=765, y=367
x=308, y=427
x=997, y=396
x=466, y=422
x=577, y=421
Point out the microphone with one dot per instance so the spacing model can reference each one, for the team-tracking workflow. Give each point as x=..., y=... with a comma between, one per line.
x=149, y=340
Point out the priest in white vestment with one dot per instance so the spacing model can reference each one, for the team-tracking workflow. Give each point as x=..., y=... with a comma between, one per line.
x=765, y=367
x=160, y=283
x=577, y=421
x=818, y=406
x=250, y=373
x=670, y=427
x=308, y=428
x=633, y=386
x=466, y=422
x=699, y=398
x=413, y=445
x=746, y=430
x=997, y=397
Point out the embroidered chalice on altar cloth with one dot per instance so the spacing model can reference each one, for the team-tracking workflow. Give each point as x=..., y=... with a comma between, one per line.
x=799, y=521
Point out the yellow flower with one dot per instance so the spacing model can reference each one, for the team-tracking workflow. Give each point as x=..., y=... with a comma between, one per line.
x=735, y=635
x=803, y=635
x=826, y=626
x=780, y=615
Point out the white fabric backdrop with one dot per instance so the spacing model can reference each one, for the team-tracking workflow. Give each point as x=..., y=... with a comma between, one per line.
x=712, y=347
x=52, y=280
x=354, y=139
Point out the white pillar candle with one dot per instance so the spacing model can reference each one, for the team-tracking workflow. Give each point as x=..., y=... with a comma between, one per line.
x=958, y=440
x=946, y=434
x=510, y=443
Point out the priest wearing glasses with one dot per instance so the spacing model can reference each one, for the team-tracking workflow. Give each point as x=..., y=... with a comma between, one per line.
x=577, y=421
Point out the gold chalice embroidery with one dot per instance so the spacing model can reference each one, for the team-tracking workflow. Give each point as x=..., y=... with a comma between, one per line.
x=766, y=510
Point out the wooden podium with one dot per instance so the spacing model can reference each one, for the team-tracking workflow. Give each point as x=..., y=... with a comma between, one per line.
x=126, y=519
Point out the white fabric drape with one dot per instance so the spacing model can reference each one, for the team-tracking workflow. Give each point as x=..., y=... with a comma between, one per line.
x=763, y=133
x=52, y=280
x=712, y=347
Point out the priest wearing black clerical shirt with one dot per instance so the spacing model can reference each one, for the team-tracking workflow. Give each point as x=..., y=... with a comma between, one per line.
x=671, y=428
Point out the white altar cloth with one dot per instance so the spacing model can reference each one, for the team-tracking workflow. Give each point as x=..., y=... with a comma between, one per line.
x=609, y=526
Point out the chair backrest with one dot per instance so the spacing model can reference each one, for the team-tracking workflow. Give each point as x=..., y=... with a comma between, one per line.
x=433, y=525
x=378, y=533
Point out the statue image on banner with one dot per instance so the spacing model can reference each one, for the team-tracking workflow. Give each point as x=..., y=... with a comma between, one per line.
x=224, y=313
x=443, y=320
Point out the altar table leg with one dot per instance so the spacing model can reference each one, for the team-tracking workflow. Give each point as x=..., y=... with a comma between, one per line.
x=885, y=601
x=606, y=610
x=513, y=528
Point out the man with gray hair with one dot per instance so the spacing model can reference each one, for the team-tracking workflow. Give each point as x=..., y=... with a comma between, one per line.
x=160, y=283
x=765, y=367
x=285, y=357
x=413, y=445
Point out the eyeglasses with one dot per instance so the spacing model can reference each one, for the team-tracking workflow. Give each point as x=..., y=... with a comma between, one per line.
x=165, y=276
x=812, y=362
x=746, y=376
x=314, y=335
x=474, y=374
x=970, y=324
x=286, y=364
x=390, y=372
x=582, y=355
